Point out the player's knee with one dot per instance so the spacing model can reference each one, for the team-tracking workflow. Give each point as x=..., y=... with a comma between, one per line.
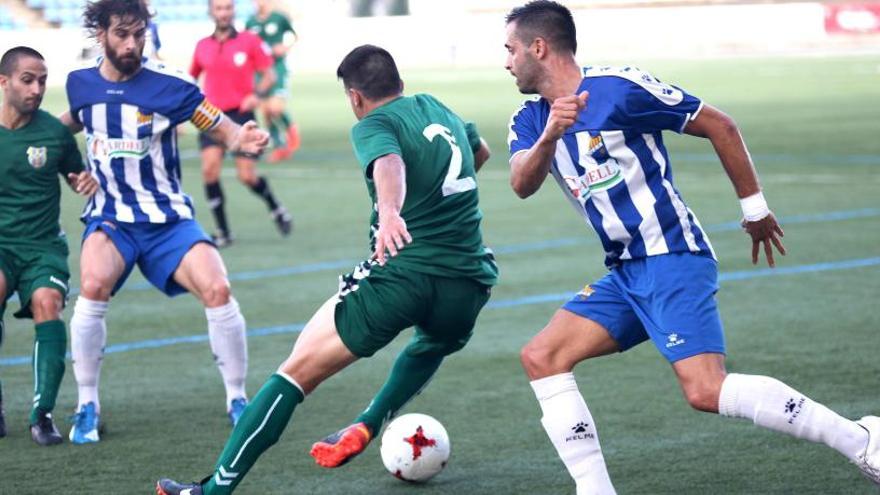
x=46, y=305
x=702, y=397
x=247, y=176
x=95, y=288
x=211, y=171
x=217, y=293
x=540, y=361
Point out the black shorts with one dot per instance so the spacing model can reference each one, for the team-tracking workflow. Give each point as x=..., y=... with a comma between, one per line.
x=239, y=118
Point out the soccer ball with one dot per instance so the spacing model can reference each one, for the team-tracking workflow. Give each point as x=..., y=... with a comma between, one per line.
x=415, y=447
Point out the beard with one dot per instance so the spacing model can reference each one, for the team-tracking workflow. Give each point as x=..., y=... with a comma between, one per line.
x=526, y=87
x=26, y=106
x=126, y=64
x=527, y=76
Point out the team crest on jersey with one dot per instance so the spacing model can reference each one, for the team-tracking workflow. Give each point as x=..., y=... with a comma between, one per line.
x=239, y=58
x=144, y=119
x=37, y=156
x=271, y=28
x=601, y=170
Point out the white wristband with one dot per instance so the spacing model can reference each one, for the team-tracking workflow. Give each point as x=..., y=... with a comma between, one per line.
x=754, y=207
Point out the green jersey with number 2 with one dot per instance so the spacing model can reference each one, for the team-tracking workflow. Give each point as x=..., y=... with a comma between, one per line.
x=441, y=207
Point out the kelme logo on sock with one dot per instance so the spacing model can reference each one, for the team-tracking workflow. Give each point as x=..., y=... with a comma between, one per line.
x=793, y=408
x=580, y=432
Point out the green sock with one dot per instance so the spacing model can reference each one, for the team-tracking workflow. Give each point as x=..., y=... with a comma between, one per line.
x=50, y=344
x=278, y=132
x=285, y=120
x=259, y=428
x=408, y=377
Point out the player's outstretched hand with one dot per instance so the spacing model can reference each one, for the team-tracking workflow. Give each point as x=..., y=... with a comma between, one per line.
x=251, y=139
x=563, y=114
x=765, y=231
x=392, y=236
x=83, y=183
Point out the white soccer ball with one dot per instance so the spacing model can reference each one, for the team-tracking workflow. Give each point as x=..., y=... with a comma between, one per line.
x=415, y=447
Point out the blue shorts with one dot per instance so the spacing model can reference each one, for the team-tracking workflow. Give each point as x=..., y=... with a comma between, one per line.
x=668, y=298
x=157, y=249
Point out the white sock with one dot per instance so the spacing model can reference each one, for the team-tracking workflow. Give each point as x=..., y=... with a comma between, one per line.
x=774, y=405
x=226, y=329
x=88, y=336
x=571, y=429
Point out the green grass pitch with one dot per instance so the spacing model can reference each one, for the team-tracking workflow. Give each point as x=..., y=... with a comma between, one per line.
x=812, y=125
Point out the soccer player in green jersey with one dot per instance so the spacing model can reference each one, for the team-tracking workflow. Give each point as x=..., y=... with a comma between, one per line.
x=273, y=27
x=33, y=248
x=420, y=161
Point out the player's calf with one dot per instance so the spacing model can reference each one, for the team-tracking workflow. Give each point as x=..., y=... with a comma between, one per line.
x=342, y=446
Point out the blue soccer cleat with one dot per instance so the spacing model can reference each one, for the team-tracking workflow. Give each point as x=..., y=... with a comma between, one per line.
x=236, y=408
x=85, y=425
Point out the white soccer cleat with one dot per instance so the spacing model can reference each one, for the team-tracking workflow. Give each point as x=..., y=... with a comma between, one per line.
x=869, y=461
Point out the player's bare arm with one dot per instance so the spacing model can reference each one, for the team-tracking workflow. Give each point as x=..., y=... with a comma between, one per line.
x=83, y=183
x=528, y=169
x=389, y=175
x=481, y=155
x=71, y=124
x=251, y=101
x=267, y=80
x=247, y=138
x=759, y=222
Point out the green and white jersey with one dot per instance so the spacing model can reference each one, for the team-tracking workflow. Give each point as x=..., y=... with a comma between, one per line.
x=30, y=196
x=272, y=30
x=441, y=205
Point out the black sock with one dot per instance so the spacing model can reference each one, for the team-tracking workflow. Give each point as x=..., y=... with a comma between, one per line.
x=261, y=189
x=215, y=202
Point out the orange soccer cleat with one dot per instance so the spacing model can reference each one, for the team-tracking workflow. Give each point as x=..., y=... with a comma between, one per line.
x=342, y=446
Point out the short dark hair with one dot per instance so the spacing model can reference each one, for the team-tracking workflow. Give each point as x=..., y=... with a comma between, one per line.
x=370, y=70
x=545, y=19
x=98, y=13
x=9, y=61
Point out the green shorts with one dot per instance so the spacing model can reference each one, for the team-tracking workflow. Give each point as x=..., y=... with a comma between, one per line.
x=279, y=87
x=27, y=268
x=376, y=303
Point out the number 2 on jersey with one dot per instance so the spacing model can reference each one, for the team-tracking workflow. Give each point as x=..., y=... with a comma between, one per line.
x=451, y=184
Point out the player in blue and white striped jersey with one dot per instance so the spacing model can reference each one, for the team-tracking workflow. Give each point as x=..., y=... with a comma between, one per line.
x=598, y=132
x=129, y=108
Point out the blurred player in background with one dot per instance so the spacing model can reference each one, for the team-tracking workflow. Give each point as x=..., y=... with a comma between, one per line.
x=230, y=61
x=274, y=28
x=129, y=107
x=33, y=248
x=598, y=132
x=420, y=162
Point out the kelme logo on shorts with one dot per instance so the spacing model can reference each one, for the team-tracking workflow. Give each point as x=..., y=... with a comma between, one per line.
x=37, y=156
x=57, y=281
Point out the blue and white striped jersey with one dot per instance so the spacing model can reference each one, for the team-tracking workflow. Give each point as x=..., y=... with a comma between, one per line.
x=131, y=140
x=612, y=164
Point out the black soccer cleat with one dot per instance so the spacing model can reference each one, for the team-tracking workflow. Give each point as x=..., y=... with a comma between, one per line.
x=44, y=431
x=171, y=487
x=2, y=421
x=283, y=220
x=222, y=239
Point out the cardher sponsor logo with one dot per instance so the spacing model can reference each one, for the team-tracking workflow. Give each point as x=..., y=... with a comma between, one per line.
x=102, y=148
